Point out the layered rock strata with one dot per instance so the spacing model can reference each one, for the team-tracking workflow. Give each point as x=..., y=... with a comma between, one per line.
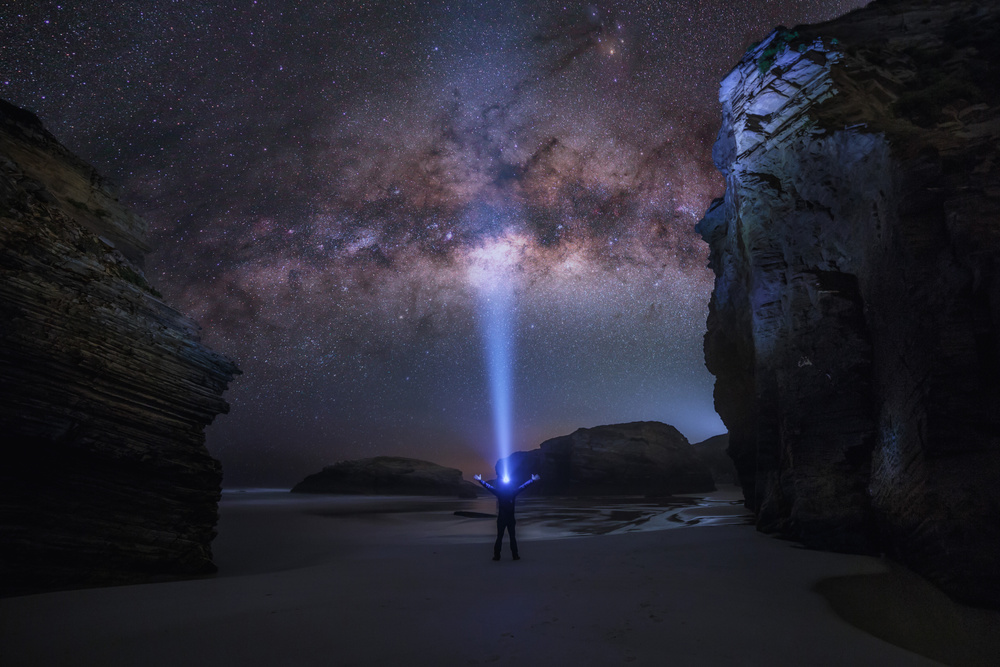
x=853, y=329
x=388, y=475
x=105, y=390
x=639, y=458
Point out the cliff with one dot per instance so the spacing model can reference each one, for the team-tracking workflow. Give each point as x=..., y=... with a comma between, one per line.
x=105, y=390
x=853, y=329
x=618, y=459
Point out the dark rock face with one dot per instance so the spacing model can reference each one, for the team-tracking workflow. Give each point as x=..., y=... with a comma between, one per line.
x=853, y=330
x=713, y=454
x=388, y=475
x=640, y=458
x=105, y=390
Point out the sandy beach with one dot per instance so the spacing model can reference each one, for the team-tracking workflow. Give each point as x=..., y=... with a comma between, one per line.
x=328, y=580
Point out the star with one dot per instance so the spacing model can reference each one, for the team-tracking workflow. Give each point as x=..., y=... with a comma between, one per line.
x=330, y=188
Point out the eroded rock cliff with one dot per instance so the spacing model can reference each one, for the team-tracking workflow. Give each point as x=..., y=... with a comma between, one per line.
x=713, y=454
x=105, y=390
x=637, y=458
x=853, y=329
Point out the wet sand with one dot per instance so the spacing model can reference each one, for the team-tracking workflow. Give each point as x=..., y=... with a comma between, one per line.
x=327, y=580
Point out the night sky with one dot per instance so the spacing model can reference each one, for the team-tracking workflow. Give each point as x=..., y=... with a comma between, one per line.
x=335, y=190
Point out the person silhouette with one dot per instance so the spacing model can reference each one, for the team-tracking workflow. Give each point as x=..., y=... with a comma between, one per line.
x=505, y=511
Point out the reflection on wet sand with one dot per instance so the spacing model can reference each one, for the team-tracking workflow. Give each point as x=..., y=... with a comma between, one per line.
x=538, y=518
x=568, y=517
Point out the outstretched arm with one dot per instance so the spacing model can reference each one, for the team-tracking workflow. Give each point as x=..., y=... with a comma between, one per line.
x=479, y=478
x=534, y=478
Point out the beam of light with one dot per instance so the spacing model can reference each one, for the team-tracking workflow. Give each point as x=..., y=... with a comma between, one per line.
x=492, y=272
x=497, y=319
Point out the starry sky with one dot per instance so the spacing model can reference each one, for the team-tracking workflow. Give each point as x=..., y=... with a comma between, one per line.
x=336, y=191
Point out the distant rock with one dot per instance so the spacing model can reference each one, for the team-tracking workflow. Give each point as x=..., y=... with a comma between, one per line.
x=640, y=458
x=388, y=475
x=713, y=454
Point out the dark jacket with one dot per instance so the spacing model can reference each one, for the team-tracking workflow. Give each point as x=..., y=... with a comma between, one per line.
x=505, y=494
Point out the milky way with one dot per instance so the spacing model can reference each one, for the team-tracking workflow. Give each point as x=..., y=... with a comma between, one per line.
x=327, y=182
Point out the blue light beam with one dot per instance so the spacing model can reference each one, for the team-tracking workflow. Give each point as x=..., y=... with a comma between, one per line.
x=494, y=269
x=497, y=315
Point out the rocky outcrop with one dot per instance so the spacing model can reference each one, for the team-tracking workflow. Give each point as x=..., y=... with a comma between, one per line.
x=104, y=389
x=713, y=454
x=388, y=475
x=853, y=329
x=640, y=458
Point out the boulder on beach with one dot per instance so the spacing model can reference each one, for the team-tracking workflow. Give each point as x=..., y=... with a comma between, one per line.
x=388, y=475
x=639, y=458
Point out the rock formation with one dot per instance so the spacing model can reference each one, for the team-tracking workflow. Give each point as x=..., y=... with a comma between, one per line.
x=104, y=389
x=853, y=329
x=640, y=458
x=713, y=454
x=388, y=475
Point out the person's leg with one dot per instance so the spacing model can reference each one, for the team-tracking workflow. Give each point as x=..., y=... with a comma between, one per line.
x=513, y=540
x=499, y=542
